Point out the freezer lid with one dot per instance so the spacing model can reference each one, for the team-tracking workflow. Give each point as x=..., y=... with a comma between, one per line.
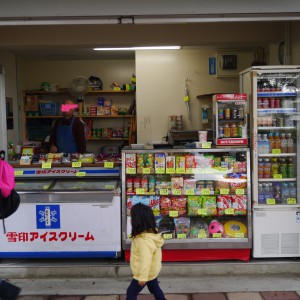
x=86, y=185
x=36, y=185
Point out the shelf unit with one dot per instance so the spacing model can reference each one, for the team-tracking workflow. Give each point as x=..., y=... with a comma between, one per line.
x=43, y=123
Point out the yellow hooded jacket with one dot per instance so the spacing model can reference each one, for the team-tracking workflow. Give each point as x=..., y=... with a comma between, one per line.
x=145, y=256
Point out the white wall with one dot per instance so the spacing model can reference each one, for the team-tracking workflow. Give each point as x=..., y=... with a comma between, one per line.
x=160, y=88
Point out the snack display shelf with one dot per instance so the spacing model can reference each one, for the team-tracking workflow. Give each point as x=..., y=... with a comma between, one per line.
x=200, y=199
x=66, y=212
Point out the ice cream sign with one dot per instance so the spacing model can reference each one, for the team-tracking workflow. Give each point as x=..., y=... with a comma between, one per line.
x=68, y=107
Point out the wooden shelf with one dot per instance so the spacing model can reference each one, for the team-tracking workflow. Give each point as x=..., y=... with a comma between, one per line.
x=65, y=91
x=103, y=117
x=107, y=139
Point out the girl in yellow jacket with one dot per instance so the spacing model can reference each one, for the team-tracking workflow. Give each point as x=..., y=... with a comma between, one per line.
x=145, y=254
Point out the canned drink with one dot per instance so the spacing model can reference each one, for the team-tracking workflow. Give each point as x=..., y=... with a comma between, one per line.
x=259, y=103
x=227, y=113
x=221, y=131
x=266, y=103
x=241, y=113
x=277, y=103
x=129, y=185
x=234, y=114
x=272, y=102
x=274, y=122
x=221, y=114
x=288, y=122
x=280, y=122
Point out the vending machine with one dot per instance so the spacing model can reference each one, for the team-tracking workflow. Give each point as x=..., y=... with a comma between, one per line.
x=275, y=105
x=230, y=113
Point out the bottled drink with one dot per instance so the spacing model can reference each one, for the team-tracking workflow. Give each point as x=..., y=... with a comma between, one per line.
x=277, y=141
x=269, y=194
x=267, y=168
x=285, y=192
x=283, y=146
x=271, y=142
x=274, y=167
x=260, y=168
x=290, y=169
x=290, y=143
x=283, y=168
x=292, y=190
x=259, y=144
x=226, y=131
x=233, y=131
x=266, y=144
x=261, y=194
x=240, y=130
x=277, y=193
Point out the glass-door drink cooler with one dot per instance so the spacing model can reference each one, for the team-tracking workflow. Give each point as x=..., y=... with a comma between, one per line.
x=200, y=199
x=274, y=94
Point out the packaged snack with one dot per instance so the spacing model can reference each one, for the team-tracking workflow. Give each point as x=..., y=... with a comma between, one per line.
x=179, y=204
x=237, y=185
x=154, y=204
x=166, y=225
x=144, y=183
x=118, y=132
x=107, y=102
x=182, y=226
x=137, y=183
x=130, y=160
x=198, y=228
x=180, y=162
x=151, y=184
x=170, y=162
x=190, y=162
x=223, y=202
x=221, y=185
x=189, y=185
x=162, y=183
x=159, y=161
x=42, y=158
x=176, y=183
x=114, y=110
x=210, y=204
x=129, y=185
x=200, y=184
x=149, y=161
x=134, y=199
x=140, y=162
x=100, y=110
x=233, y=228
x=87, y=158
x=210, y=185
x=194, y=203
x=239, y=204
x=165, y=205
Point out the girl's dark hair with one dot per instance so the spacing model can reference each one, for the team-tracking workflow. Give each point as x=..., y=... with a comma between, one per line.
x=142, y=219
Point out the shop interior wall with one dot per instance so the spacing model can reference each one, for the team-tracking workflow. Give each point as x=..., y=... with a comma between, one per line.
x=8, y=61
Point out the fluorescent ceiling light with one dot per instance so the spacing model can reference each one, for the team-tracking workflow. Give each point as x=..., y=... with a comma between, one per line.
x=139, y=48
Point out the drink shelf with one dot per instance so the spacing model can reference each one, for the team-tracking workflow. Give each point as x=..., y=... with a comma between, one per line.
x=277, y=206
x=277, y=155
x=276, y=110
x=276, y=180
x=276, y=94
x=277, y=128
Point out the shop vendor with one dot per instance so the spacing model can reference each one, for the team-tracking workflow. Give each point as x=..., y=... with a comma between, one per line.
x=67, y=135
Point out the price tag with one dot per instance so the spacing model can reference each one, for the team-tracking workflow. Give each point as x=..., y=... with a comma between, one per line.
x=181, y=236
x=130, y=170
x=173, y=213
x=277, y=176
x=109, y=187
x=146, y=171
x=224, y=191
x=217, y=235
x=190, y=192
x=229, y=211
x=271, y=201
x=163, y=192
x=167, y=236
x=202, y=211
x=180, y=170
x=206, y=145
x=46, y=165
x=170, y=170
x=239, y=235
x=76, y=164
x=18, y=173
x=239, y=191
x=139, y=191
x=186, y=98
x=189, y=170
x=109, y=164
x=205, y=192
x=291, y=201
x=176, y=192
x=223, y=169
x=160, y=171
x=202, y=234
x=80, y=174
x=276, y=151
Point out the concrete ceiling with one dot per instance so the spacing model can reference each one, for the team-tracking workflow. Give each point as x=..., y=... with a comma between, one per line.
x=73, y=42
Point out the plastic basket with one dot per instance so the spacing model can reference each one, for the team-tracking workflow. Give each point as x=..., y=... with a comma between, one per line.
x=49, y=109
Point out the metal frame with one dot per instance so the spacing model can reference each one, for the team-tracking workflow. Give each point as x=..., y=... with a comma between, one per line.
x=209, y=243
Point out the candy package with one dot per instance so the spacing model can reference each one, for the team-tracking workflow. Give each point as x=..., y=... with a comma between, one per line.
x=210, y=204
x=199, y=229
x=182, y=226
x=194, y=203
